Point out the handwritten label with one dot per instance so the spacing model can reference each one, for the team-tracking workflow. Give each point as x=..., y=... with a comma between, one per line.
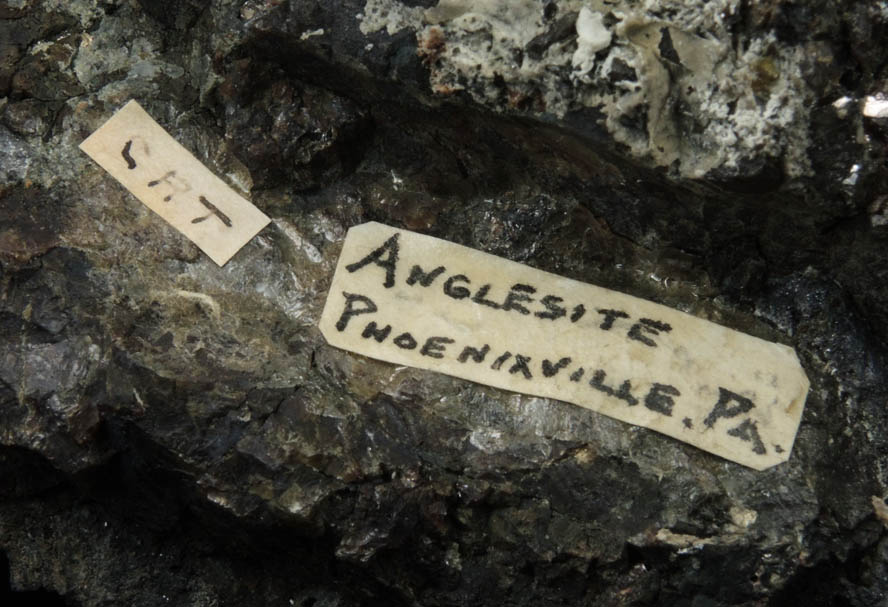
x=420, y=301
x=173, y=183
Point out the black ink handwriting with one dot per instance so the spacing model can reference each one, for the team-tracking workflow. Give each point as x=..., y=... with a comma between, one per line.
x=213, y=211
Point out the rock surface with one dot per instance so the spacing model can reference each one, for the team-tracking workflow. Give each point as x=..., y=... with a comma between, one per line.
x=176, y=433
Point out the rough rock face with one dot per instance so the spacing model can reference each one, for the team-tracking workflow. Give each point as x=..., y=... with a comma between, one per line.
x=176, y=433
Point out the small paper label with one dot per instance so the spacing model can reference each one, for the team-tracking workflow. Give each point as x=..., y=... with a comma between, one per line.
x=415, y=300
x=173, y=183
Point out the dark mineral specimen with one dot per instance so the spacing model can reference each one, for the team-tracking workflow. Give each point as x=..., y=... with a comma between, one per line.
x=174, y=433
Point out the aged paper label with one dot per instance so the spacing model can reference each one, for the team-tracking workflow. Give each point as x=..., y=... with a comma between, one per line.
x=415, y=300
x=173, y=183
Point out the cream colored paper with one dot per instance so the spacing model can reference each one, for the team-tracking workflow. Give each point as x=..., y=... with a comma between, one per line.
x=173, y=183
x=728, y=393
